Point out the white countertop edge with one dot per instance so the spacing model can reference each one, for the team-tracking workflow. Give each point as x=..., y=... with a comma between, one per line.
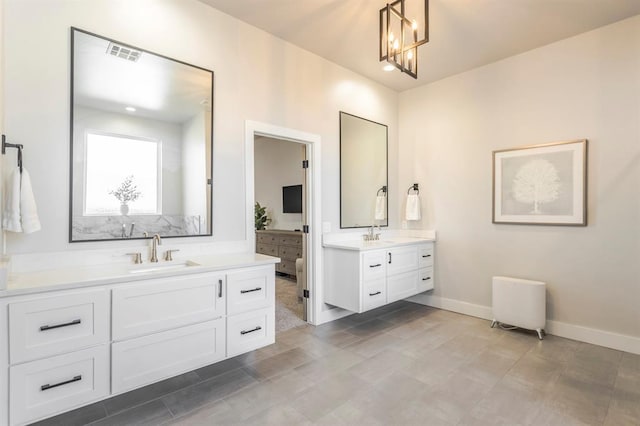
x=352, y=239
x=362, y=245
x=91, y=276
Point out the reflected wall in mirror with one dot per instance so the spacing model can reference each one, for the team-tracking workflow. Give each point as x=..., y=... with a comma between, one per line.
x=141, y=143
x=363, y=172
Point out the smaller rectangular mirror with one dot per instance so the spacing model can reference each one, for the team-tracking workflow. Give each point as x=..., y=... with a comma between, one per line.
x=363, y=172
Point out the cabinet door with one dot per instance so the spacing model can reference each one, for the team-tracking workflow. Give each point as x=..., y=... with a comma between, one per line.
x=402, y=259
x=167, y=303
x=250, y=289
x=401, y=286
x=147, y=359
x=54, y=325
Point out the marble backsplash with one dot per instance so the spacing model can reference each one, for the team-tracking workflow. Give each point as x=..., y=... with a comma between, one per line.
x=119, y=227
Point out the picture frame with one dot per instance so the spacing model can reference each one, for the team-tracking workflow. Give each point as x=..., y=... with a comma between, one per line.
x=541, y=184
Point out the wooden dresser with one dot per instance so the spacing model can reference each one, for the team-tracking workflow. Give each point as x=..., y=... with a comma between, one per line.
x=287, y=245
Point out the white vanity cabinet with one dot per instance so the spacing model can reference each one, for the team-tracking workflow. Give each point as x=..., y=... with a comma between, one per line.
x=365, y=277
x=67, y=348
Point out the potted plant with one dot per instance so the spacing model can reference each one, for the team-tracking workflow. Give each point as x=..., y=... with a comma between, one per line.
x=262, y=220
x=127, y=192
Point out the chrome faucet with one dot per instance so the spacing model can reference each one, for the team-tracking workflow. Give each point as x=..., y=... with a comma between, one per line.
x=371, y=235
x=155, y=242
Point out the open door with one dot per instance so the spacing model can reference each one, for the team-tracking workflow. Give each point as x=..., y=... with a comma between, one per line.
x=305, y=234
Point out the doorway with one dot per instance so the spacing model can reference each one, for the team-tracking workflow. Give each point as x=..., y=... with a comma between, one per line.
x=279, y=186
x=282, y=170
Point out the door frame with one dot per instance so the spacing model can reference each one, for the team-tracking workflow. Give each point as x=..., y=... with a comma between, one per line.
x=313, y=195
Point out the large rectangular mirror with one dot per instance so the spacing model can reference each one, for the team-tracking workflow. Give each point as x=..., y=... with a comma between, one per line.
x=141, y=143
x=363, y=172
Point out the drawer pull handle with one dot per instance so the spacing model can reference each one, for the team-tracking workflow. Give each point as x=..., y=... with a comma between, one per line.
x=249, y=291
x=67, y=324
x=219, y=288
x=375, y=266
x=375, y=294
x=426, y=279
x=426, y=255
x=389, y=258
x=243, y=332
x=48, y=386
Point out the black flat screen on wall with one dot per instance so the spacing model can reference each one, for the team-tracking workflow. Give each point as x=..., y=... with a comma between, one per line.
x=292, y=199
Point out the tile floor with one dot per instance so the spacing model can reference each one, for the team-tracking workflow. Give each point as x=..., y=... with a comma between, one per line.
x=402, y=364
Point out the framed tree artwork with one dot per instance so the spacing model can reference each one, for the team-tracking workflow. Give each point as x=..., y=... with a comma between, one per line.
x=541, y=184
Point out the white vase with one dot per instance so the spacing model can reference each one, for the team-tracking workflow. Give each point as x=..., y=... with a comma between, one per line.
x=124, y=209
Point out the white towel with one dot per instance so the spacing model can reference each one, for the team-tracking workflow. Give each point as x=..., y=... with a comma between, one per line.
x=20, y=210
x=380, y=207
x=11, y=211
x=412, y=211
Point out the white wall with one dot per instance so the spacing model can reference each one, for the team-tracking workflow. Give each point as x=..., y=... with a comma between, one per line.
x=587, y=86
x=257, y=77
x=278, y=163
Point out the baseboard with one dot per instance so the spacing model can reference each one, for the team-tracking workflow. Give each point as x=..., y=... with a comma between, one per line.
x=453, y=305
x=332, y=315
x=594, y=336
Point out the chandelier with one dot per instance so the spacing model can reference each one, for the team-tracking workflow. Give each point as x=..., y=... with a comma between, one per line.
x=399, y=37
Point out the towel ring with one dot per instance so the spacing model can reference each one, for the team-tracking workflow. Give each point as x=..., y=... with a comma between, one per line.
x=6, y=145
x=414, y=187
x=383, y=189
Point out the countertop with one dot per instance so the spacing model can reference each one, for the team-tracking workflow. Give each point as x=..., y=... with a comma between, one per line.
x=383, y=243
x=81, y=277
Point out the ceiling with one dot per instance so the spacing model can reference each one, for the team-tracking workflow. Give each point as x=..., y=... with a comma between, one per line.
x=464, y=34
x=157, y=87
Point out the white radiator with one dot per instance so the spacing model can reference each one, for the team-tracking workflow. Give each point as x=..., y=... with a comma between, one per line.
x=518, y=302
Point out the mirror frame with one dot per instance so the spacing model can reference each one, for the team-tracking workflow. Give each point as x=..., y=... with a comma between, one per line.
x=71, y=135
x=386, y=130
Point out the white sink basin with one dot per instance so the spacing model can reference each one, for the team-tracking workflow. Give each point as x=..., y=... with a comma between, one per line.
x=162, y=267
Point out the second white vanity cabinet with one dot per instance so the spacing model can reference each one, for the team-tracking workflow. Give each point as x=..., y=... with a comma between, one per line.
x=70, y=347
x=365, y=276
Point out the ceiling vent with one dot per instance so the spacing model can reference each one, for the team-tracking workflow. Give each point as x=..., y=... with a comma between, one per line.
x=124, y=52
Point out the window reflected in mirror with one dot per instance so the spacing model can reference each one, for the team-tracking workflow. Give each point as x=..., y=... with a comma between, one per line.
x=141, y=143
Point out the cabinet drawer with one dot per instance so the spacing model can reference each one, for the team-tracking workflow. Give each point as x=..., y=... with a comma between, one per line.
x=267, y=249
x=250, y=289
x=374, y=264
x=286, y=266
x=50, y=386
x=53, y=325
x=163, y=304
x=374, y=294
x=290, y=252
x=249, y=331
x=147, y=359
x=425, y=254
x=290, y=240
x=267, y=238
x=402, y=259
x=425, y=279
